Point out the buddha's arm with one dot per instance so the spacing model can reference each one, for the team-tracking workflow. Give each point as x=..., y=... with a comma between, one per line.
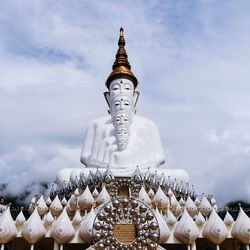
x=109, y=150
x=88, y=143
x=102, y=132
x=103, y=148
x=156, y=144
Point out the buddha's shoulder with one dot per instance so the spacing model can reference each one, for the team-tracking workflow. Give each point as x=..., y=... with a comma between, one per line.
x=100, y=121
x=140, y=120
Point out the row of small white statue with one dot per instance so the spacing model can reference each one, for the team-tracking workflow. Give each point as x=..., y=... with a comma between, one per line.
x=63, y=230
x=86, y=200
x=163, y=202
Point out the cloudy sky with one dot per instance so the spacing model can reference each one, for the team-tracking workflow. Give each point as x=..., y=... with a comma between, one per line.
x=190, y=57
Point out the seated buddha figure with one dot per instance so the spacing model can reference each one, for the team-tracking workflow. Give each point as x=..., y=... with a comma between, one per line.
x=122, y=140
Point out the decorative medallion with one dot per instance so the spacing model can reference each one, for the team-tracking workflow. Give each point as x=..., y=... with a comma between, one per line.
x=121, y=184
x=125, y=223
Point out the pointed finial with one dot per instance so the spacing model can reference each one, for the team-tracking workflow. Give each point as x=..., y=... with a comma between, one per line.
x=121, y=41
x=121, y=66
x=121, y=31
x=121, y=55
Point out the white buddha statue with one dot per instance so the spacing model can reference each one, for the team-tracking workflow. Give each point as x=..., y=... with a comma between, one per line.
x=122, y=140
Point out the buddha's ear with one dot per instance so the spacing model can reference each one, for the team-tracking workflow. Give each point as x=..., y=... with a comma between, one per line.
x=107, y=97
x=136, y=97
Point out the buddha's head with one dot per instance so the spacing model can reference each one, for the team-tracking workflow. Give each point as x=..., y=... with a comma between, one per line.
x=121, y=119
x=121, y=86
x=121, y=80
x=121, y=96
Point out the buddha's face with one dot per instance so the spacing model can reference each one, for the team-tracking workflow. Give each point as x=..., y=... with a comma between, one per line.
x=122, y=103
x=122, y=137
x=121, y=119
x=121, y=87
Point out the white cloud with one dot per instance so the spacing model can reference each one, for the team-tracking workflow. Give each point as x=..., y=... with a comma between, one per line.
x=34, y=164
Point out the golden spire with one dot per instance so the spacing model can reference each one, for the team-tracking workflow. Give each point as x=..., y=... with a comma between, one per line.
x=121, y=66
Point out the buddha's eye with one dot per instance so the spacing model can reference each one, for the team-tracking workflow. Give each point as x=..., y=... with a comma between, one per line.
x=115, y=87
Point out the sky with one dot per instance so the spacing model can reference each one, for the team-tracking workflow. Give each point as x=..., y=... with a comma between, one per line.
x=192, y=62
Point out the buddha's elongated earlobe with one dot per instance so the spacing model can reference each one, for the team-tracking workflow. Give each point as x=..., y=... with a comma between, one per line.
x=107, y=97
x=136, y=97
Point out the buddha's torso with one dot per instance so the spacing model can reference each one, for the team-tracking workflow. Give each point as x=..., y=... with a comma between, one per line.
x=144, y=147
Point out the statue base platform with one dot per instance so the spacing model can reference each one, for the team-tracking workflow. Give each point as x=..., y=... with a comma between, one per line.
x=70, y=174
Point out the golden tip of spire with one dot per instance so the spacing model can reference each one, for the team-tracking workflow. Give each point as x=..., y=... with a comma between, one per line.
x=121, y=31
x=121, y=41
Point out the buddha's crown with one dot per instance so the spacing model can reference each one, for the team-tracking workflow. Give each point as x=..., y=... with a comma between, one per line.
x=121, y=66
